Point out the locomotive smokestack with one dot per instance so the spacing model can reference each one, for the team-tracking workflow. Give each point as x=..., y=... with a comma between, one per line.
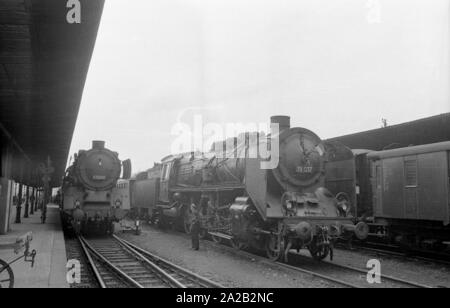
x=98, y=144
x=284, y=122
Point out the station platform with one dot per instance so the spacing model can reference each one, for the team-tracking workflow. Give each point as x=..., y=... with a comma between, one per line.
x=49, y=270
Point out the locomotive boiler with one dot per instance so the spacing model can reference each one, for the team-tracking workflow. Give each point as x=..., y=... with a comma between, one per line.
x=89, y=187
x=275, y=209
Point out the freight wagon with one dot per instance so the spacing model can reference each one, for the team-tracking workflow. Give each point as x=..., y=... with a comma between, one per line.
x=411, y=194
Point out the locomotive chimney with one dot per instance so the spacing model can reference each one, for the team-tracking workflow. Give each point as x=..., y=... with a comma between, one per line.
x=98, y=144
x=284, y=122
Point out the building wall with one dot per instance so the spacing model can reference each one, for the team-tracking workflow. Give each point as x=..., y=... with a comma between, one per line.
x=5, y=204
x=12, y=208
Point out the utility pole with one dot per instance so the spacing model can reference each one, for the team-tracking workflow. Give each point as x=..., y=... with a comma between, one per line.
x=19, y=204
x=46, y=170
x=36, y=201
x=27, y=204
x=32, y=201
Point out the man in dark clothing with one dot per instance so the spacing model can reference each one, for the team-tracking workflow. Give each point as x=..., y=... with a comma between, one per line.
x=195, y=226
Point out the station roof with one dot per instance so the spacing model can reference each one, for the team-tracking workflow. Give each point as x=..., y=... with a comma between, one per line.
x=423, y=131
x=44, y=61
x=413, y=150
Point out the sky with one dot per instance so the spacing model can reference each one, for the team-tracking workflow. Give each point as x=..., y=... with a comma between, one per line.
x=335, y=67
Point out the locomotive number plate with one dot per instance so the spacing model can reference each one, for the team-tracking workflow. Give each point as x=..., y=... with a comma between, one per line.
x=302, y=169
x=99, y=177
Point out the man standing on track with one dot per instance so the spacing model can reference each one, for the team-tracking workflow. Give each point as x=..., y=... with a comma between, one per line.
x=195, y=226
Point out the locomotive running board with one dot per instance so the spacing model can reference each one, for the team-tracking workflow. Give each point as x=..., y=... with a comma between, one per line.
x=221, y=235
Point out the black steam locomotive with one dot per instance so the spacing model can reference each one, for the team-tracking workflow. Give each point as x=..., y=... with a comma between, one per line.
x=276, y=209
x=87, y=190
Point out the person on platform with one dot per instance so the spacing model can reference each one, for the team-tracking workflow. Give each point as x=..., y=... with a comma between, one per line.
x=43, y=210
x=32, y=200
x=58, y=198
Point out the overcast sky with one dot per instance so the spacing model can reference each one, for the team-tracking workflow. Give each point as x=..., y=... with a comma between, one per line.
x=335, y=67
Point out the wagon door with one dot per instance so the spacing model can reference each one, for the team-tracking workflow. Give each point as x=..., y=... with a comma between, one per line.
x=377, y=187
x=432, y=190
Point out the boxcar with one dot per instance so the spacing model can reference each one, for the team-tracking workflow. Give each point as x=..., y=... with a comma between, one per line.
x=411, y=193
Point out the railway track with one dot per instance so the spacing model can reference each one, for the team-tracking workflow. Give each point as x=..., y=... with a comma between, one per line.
x=185, y=276
x=117, y=264
x=335, y=273
x=74, y=251
x=340, y=274
x=397, y=252
x=347, y=275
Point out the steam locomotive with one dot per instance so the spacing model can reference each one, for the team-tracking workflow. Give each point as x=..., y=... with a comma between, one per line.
x=87, y=190
x=272, y=209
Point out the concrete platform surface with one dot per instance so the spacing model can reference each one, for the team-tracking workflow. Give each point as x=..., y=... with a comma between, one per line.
x=49, y=270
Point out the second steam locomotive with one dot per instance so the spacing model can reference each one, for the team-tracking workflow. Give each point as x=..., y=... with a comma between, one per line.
x=275, y=209
x=88, y=187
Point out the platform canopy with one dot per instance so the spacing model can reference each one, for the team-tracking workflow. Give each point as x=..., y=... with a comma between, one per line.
x=44, y=61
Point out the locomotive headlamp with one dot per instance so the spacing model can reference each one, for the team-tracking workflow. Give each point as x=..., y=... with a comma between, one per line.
x=177, y=196
x=78, y=214
x=77, y=203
